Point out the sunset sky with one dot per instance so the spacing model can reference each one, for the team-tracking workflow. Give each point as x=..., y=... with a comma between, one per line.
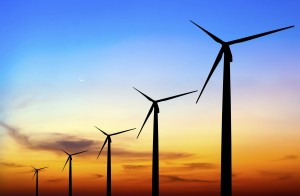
x=69, y=65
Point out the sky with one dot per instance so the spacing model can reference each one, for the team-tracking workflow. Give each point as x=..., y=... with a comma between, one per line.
x=67, y=66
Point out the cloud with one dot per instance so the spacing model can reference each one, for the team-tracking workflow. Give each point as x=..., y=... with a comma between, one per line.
x=10, y=164
x=54, y=141
x=132, y=156
x=173, y=178
x=135, y=167
x=16, y=135
x=190, y=167
x=97, y=175
x=54, y=180
x=287, y=158
x=279, y=175
x=234, y=175
x=199, y=166
x=173, y=156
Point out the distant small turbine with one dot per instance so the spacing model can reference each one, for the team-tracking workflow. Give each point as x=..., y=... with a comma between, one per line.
x=36, y=174
x=155, y=153
x=108, y=180
x=70, y=168
x=226, y=165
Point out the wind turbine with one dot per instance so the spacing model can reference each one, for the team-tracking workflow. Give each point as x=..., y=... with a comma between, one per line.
x=36, y=174
x=155, y=153
x=70, y=168
x=108, y=182
x=226, y=166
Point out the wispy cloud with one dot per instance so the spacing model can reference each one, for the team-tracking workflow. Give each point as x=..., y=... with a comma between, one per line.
x=199, y=166
x=16, y=135
x=190, y=166
x=54, y=141
x=287, y=158
x=135, y=167
x=132, y=156
x=10, y=164
x=54, y=180
x=278, y=175
x=97, y=175
x=234, y=175
x=174, y=156
x=174, y=178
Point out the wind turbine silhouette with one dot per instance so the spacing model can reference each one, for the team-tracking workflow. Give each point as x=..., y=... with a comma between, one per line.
x=155, y=153
x=108, y=182
x=70, y=168
x=226, y=165
x=36, y=172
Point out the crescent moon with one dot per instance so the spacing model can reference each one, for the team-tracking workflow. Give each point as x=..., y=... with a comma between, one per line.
x=81, y=79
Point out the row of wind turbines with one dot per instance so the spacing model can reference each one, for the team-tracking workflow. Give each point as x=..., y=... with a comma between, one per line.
x=226, y=158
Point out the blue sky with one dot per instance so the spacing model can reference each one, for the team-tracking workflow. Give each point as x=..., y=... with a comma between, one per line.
x=46, y=43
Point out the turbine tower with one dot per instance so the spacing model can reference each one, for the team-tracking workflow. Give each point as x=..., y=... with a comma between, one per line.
x=155, y=153
x=226, y=165
x=108, y=182
x=36, y=174
x=70, y=168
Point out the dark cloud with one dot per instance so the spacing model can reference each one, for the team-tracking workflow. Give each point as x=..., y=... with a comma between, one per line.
x=199, y=166
x=191, y=166
x=279, y=175
x=129, y=154
x=76, y=145
x=16, y=135
x=53, y=142
x=9, y=164
x=54, y=180
x=135, y=167
x=234, y=175
x=141, y=156
x=287, y=158
x=187, y=166
x=172, y=156
x=173, y=178
x=97, y=175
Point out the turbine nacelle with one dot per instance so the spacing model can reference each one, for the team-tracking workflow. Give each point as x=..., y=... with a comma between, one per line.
x=36, y=170
x=225, y=49
x=155, y=105
x=70, y=156
x=108, y=137
x=227, y=52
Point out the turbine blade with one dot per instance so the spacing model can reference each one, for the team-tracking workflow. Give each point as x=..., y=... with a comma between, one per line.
x=66, y=163
x=210, y=34
x=102, y=148
x=102, y=131
x=219, y=56
x=65, y=152
x=150, y=111
x=33, y=175
x=173, y=97
x=43, y=168
x=33, y=167
x=79, y=152
x=144, y=95
x=121, y=132
x=257, y=35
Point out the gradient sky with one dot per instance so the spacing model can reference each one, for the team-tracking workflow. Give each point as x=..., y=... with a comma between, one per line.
x=67, y=66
